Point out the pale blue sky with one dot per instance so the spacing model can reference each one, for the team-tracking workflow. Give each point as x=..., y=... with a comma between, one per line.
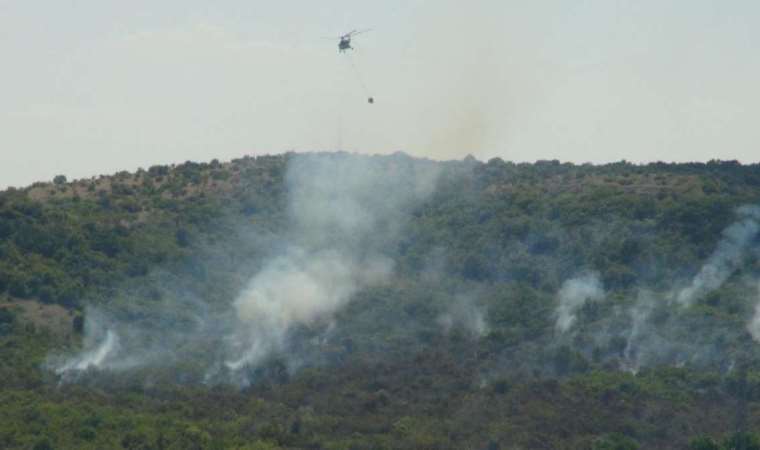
x=90, y=87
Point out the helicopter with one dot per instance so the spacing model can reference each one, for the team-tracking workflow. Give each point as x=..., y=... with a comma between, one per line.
x=345, y=40
x=345, y=44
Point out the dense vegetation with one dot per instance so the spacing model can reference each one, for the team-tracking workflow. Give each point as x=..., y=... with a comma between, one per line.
x=498, y=238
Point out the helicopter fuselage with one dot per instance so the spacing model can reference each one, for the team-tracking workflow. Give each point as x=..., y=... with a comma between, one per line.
x=345, y=44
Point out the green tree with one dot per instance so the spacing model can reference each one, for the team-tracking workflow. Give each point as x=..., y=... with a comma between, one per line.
x=615, y=441
x=742, y=441
x=703, y=443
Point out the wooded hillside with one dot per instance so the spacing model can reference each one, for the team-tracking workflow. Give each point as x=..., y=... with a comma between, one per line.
x=518, y=306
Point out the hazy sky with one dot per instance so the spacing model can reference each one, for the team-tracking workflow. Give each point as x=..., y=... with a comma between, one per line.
x=90, y=87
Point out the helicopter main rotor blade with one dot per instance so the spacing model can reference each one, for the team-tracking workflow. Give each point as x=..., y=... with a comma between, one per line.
x=355, y=32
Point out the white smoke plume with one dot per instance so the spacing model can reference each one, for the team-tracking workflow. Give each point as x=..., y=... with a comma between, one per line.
x=343, y=211
x=94, y=358
x=650, y=343
x=754, y=324
x=101, y=347
x=297, y=288
x=573, y=294
x=121, y=337
x=635, y=349
x=726, y=258
x=344, y=216
x=465, y=315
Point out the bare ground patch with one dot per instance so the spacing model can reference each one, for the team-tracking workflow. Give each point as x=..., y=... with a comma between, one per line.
x=53, y=318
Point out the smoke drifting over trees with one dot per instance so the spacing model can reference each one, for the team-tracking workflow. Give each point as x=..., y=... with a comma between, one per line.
x=350, y=254
x=573, y=295
x=727, y=258
x=272, y=296
x=344, y=213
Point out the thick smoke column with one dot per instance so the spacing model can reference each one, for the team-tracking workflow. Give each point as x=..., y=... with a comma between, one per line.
x=299, y=287
x=573, y=295
x=726, y=258
x=345, y=212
